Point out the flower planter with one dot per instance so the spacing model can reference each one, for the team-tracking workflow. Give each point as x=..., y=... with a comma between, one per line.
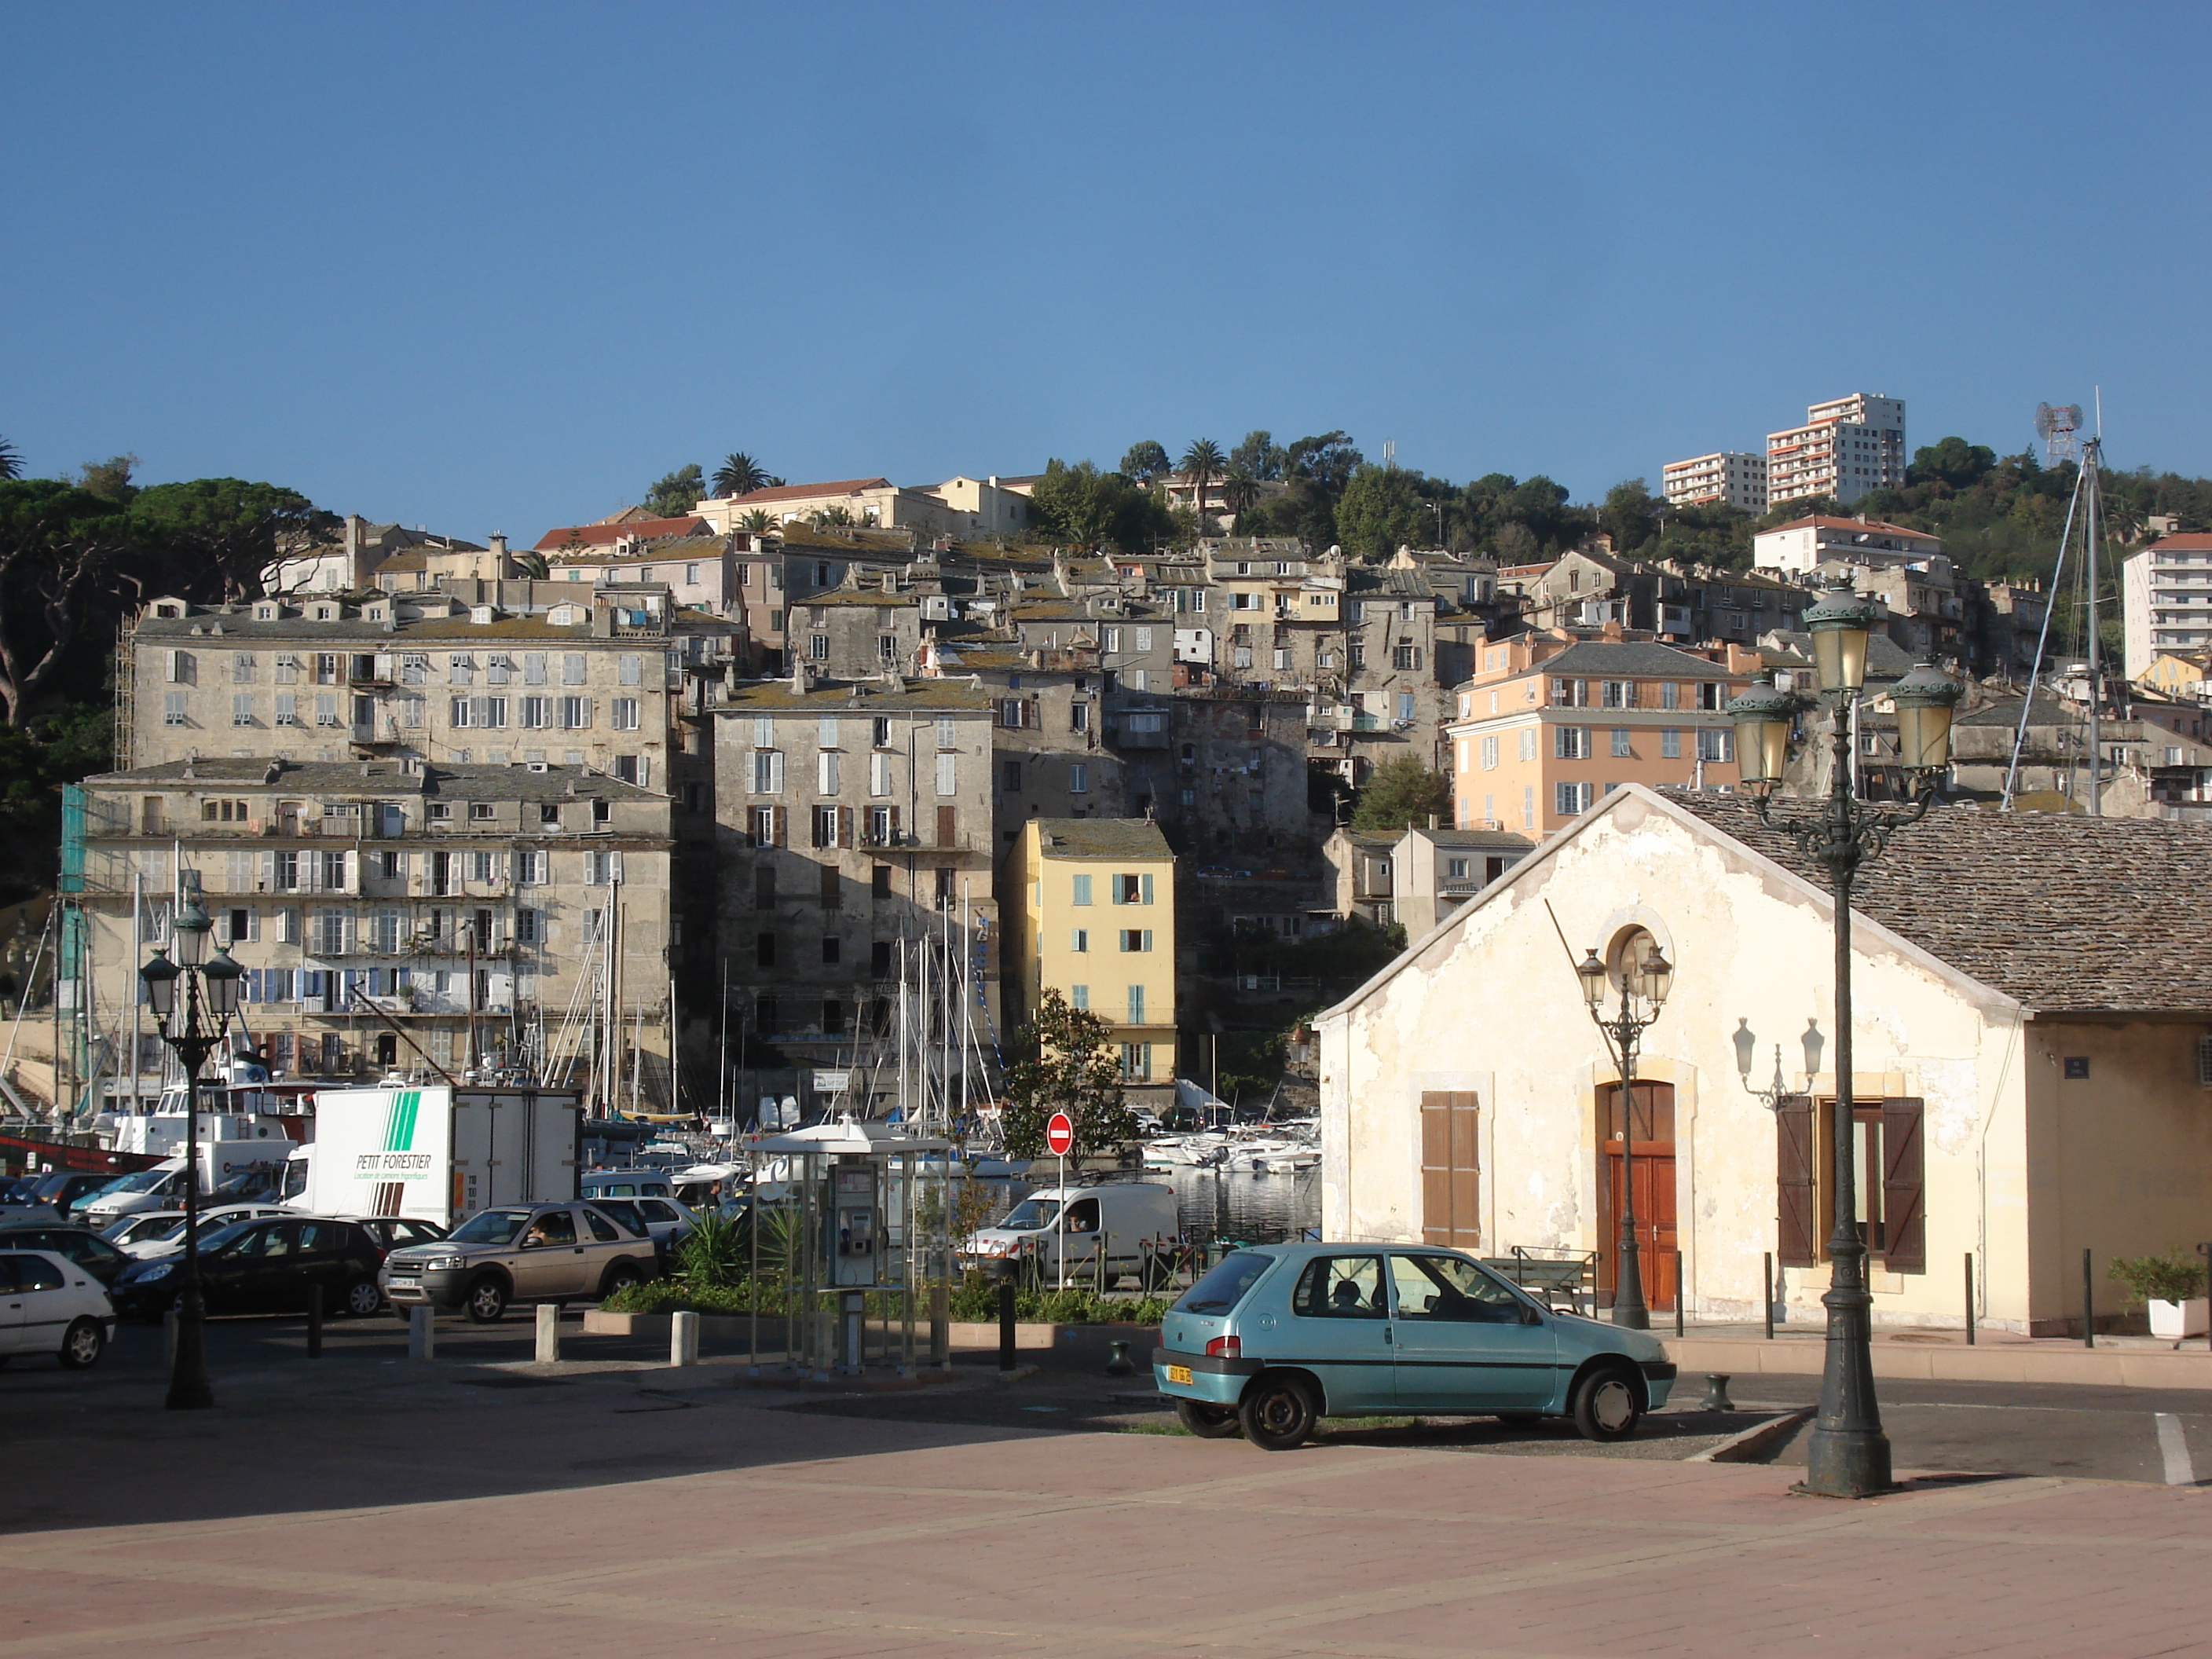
x=2177, y=1320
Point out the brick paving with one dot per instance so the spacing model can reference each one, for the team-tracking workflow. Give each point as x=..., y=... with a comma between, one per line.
x=556, y=1526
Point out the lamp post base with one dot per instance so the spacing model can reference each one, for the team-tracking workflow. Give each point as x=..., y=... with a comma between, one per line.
x=1841, y=1462
x=189, y=1388
x=1628, y=1309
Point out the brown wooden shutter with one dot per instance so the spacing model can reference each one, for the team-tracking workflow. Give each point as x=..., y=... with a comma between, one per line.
x=1793, y=1122
x=1450, y=1171
x=948, y=825
x=1904, y=1188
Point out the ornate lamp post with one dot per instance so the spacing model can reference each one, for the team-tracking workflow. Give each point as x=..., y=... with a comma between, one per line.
x=1644, y=978
x=1847, y=1454
x=211, y=989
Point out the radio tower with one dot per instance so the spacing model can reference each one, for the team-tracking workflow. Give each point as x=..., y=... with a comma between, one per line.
x=2057, y=427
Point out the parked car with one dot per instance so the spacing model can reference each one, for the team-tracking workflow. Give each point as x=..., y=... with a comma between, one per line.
x=161, y=1187
x=1277, y=1336
x=63, y=1190
x=48, y=1305
x=79, y=1245
x=520, y=1253
x=20, y=1200
x=269, y=1266
x=144, y=1228
x=393, y=1233
x=663, y=1221
x=251, y=1186
x=170, y=1240
x=626, y=1183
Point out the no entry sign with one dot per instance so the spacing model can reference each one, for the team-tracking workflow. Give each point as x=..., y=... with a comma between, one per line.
x=1058, y=1135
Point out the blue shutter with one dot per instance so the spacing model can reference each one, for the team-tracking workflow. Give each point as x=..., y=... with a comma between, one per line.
x=1148, y=888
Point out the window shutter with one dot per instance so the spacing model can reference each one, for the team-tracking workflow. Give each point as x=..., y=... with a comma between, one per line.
x=268, y=879
x=1792, y=1180
x=1148, y=888
x=1451, y=1176
x=1903, y=1190
x=1148, y=938
x=1114, y=887
x=352, y=884
x=782, y=825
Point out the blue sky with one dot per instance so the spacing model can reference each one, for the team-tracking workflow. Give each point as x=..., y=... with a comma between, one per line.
x=491, y=267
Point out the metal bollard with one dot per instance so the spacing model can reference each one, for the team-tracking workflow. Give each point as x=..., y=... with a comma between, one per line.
x=314, y=1322
x=1766, y=1290
x=1970, y=1298
x=1716, y=1395
x=549, y=1333
x=2088, y=1304
x=684, y=1340
x=1680, y=1295
x=422, y=1334
x=1118, y=1363
x=169, y=1323
x=1006, y=1325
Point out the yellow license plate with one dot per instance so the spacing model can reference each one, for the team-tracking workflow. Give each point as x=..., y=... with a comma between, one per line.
x=1178, y=1373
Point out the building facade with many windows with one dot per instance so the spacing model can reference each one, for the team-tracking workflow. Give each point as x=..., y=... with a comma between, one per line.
x=1847, y=446
x=1727, y=477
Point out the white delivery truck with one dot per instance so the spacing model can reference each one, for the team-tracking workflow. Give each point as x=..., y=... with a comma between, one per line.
x=1131, y=1221
x=162, y=1186
x=435, y=1154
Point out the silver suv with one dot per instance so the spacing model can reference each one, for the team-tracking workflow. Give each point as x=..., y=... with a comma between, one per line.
x=520, y=1253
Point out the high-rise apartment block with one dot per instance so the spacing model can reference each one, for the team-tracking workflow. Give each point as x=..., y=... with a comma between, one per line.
x=2166, y=600
x=1729, y=478
x=1847, y=446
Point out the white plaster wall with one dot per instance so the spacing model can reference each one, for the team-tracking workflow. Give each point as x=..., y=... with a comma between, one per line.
x=1490, y=1002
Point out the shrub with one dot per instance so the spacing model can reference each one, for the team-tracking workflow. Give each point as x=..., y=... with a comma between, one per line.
x=2174, y=1278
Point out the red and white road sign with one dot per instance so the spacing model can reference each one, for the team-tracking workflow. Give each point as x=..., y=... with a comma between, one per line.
x=1058, y=1135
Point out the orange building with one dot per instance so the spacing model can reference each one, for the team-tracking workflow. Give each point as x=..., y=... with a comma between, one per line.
x=1549, y=725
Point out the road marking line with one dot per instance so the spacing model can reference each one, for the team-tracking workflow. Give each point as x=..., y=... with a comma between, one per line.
x=2174, y=1447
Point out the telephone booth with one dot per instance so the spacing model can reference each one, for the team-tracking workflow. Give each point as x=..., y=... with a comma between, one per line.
x=870, y=1235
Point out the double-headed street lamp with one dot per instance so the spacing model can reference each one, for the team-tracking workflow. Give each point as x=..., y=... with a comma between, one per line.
x=1847, y=1454
x=1644, y=976
x=211, y=989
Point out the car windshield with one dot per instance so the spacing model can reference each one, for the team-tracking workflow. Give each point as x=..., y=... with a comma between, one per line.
x=1030, y=1214
x=1224, y=1287
x=491, y=1227
x=144, y=1182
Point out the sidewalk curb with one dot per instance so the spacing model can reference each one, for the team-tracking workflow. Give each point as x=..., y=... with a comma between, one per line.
x=2131, y=1369
x=1746, y=1446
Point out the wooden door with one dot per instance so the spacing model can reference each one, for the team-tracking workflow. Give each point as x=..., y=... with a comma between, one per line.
x=1653, y=1161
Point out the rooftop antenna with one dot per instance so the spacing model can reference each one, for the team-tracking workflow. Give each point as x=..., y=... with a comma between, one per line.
x=2056, y=425
x=1389, y=455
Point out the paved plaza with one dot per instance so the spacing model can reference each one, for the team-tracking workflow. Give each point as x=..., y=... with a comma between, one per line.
x=490, y=1510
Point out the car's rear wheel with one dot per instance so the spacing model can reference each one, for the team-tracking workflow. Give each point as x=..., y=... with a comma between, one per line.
x=1607, y=1405
x=361, y=1298
x=486, y=1301
x=83, y=1344
x=1206, y=1422
x=621, y=1277
x=1277, y=1413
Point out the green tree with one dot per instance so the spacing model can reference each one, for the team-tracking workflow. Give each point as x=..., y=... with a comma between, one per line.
x=1327, y=461
x=1630, y=514
x=757, y=522
x=11, y=461
x=1147, y=462
x=1202, y=464
x=1952, y=462
x=676, y=495
x=532, y=565
x=1066, y=1063
x=61, y=548
x=212, y=538
x=1383, y=509
x=1240, y=491
x=110, y=477
x=739, y=475
x=1078, y=505
x=1400, y=792
x=1259, y=456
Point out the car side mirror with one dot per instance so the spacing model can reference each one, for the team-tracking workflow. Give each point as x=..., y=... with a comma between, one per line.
x=1530, y=1315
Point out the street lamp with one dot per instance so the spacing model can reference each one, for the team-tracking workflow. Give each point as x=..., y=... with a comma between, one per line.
x=1847, y=1454
x=210, y=987
x=1644, y=977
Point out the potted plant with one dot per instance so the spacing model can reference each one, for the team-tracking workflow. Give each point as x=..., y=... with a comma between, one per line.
x=2174, y=1287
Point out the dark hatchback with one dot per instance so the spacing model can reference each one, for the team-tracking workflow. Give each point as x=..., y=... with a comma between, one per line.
x=79, y=1245
x=264, y=1267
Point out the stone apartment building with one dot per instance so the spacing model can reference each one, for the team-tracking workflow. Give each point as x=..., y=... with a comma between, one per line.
x=856, y=632
x=1049, y=758
x=584, y=684
x=393, y=912
x=1241, y=786
x=849, y=816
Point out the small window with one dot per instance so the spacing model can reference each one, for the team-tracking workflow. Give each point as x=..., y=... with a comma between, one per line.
x=1340, y=1287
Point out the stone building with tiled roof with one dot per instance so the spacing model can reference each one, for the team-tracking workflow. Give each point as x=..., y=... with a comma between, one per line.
x=2032, y=1035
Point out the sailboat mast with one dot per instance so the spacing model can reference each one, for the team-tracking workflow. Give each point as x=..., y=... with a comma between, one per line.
x=2092, y=464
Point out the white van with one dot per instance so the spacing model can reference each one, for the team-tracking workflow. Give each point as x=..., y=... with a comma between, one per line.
x=1129, y=1220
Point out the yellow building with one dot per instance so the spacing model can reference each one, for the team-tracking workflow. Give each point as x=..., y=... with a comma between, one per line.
x=1089, y=908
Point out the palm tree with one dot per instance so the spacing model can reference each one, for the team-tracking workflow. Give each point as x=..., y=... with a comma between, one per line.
x=532, y=565
x=757, y=522
x=1240, y=491
x=11, y=460
x=739, y=475
x=1202, y=465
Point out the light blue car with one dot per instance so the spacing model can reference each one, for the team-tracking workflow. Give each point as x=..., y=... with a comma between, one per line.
x=1277, y=1336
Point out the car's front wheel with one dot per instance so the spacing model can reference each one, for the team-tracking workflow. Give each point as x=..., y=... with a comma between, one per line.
x=361, y=1298
x=83, y=1344
x=1277, y=1413
x=486, y=1301
x=1206, y=1422
x=1607, y=1405
x=623, y=1276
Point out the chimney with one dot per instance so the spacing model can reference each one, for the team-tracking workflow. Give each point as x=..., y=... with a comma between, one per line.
x=353, y=524
x=1433, y=820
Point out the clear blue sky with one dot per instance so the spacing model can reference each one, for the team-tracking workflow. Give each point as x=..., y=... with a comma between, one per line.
x=498, y=267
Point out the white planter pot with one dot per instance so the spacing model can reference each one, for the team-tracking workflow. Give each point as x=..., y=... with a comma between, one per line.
x=2176, y=1319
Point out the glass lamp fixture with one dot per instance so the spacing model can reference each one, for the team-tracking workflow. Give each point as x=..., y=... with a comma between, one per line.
x=1591, y=972
x=1840, y=623
x=159, y=978
x=1926, y=699
x=220, y=978
x=191, y=928
x=1764, y=718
